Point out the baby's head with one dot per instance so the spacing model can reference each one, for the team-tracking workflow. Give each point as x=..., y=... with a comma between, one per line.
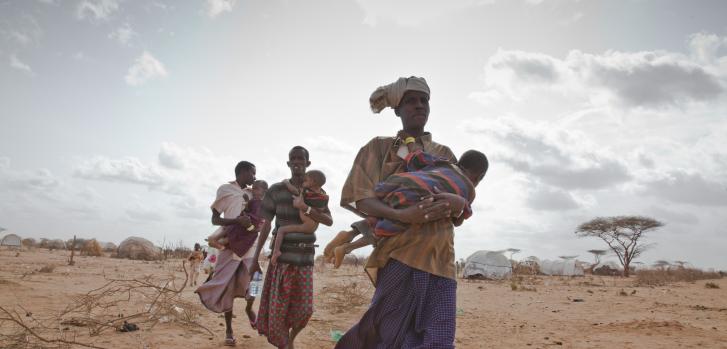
x=314, y=180
x=474, y=164
x=259, y=187
x=197, y=247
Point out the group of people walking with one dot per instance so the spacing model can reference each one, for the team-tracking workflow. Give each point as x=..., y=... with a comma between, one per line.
x=410, y=192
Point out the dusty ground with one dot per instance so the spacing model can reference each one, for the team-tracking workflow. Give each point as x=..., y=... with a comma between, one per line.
x=586, y=312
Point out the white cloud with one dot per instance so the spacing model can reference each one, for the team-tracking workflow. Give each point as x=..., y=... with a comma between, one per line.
x=327, y=144
x=572, y=19
x=126, y=170
x=552, y=199
x=688, y=188
x=172, y=156
x=81, y=56
x=705, y=46
x=41, y=180
x=145, y=67
x=18, y=64
x=559, y=157
x=190, y=208
x=217, y=7
x=413, y=12
x=22, y=30
x=96, y=9
x=123, y=34
x=648, y=79
x=19, y=37
x=144, y=214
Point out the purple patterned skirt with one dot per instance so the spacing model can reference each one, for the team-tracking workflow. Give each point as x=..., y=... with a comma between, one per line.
x=410, y=309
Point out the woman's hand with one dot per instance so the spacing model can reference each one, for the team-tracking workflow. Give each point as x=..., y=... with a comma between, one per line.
x=244, y=221
x=456, y=202
x=254, y=266
x=428, y=210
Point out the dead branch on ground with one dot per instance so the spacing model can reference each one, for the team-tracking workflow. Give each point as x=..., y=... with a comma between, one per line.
x=146, y=301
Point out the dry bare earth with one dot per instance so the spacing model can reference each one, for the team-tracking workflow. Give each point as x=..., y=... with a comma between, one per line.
x=490, y=315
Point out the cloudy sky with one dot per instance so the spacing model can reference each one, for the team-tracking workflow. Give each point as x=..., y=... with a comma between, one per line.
x=121, y=118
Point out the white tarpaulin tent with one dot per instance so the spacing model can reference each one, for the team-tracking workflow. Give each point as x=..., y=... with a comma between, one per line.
x=487, y=264
x=569, y=267
x=11, y=240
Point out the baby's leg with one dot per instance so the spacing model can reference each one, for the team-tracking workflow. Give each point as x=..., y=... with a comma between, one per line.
x=341, y=251
x=309, y=226
x=216, y=239
x=279, y=236
x=343, y=237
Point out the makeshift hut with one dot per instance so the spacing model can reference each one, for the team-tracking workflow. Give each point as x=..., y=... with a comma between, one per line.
x=138, y=248
x=11, y=241
x=566, y=267
x=56, y=244
x=487, y=265
x=109, y=246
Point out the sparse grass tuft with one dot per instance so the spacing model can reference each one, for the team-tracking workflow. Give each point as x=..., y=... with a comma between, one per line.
x=711, y=285
x=345, y=295
x=516, y=285
x=48, y=268
x=660, y=277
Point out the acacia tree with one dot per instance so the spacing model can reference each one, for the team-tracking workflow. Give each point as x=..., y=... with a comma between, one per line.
x=622, y=234
x=662, y=264
x=597, y=257
x=512, y=251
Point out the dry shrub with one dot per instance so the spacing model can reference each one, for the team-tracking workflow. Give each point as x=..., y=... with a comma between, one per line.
x=345, y=295
x=146, y=301
x=353, y=260
x=171, y=251
x=91, y=248
x=525, y=269
x=711, y=285
x=48, y=268
x=660, y=277
x=516, y=285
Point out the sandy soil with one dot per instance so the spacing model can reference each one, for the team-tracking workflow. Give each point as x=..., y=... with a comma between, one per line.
x=585, y=312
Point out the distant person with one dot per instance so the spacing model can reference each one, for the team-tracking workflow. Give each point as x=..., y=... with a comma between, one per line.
x=195, y=259
x=231, y=277
x=314, y=196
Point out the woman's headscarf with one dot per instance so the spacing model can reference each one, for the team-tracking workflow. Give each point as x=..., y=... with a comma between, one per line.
x=390, y=95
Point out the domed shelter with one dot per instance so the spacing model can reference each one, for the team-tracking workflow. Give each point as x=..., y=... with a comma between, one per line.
x=109, y=246
x=11, y=241
x=56, y=244
x=487, y=265
x=567, y=267
x=138, y=248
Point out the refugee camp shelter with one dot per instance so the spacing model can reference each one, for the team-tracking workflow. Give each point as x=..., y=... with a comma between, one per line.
x=11, y=241
x=568, y=267
x=488, y=265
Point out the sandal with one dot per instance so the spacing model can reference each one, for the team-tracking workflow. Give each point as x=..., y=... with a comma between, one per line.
x=253, y=324
x=230, y=341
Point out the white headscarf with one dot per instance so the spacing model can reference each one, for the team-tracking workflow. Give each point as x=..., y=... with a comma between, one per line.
x=390, y=95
